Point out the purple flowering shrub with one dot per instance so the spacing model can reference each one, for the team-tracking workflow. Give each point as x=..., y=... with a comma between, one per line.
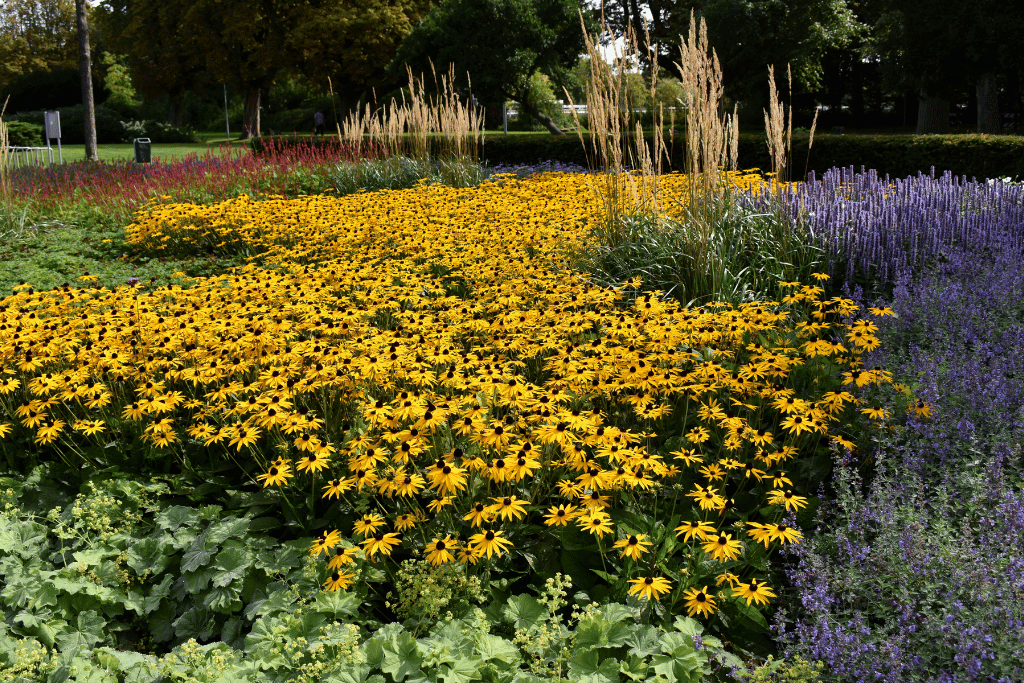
x=877, y=229
x=526, y=170
x=917, y=572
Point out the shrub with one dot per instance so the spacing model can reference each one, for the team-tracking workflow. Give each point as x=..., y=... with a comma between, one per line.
x=21, y=134
x=158, y=132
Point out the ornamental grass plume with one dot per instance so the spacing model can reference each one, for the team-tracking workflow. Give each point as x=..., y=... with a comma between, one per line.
x=426, y=127
x=5, y=158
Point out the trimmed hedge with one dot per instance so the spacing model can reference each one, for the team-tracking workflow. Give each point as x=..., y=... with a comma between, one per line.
x=977, y=156
x=899, y=156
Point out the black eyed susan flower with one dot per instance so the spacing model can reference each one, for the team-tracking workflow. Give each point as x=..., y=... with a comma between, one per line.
x=446, y=478
x=311, y=463
x=379, y=542
x=707, y=498
x=368, y=524
x=648, y=587
x=560, y=515
x=633, y=546
x=276, y=476
x=781, y=532
x=406, y=521
x=754, y=591
x=699, y=602
x=409, y=484
x=509, y=507
x=696, y=529
x=341, y=556
x=336, y=487
x=438, y=504
x=595, y=521
x=324, y=542
x=787, y=498
x=759, y=532
x=797, y=424
x=490, y=543
x=338, y=580
x=439, y=551
x=723, y=547
x=476, y=514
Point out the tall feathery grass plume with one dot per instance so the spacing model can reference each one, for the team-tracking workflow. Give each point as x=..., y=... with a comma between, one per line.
x=711, y=140
x=778, y=124
x=5, y=158
x=631, y=167
x=432, y=123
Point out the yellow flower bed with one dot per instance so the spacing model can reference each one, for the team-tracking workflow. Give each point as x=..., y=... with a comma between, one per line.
x=423, y=351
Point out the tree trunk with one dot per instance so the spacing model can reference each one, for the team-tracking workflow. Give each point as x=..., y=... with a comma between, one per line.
x=932, y=115
x=176, y=110
x=85, y=69
x=251, y=114
x=541, y=118
x=988, y=105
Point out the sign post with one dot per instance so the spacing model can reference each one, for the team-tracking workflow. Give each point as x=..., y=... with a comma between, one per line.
x=52, y=121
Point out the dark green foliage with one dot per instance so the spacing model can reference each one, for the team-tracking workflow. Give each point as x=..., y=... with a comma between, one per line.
x=22, y=134
x=72, y=124
x=898, y=156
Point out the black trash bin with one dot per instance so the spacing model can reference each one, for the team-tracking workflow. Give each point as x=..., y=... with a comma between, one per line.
x=143, y=151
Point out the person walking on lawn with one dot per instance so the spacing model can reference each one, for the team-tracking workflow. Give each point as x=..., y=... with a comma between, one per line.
x=318, y=122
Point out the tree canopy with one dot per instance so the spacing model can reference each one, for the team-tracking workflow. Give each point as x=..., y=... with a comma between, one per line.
x=748, y=35
x=251, y=44
x=36, y=36
x=500, y=44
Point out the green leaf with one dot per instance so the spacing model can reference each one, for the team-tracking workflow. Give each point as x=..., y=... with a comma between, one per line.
x=223, y=599
x=150, y=554
x=21, y=538
x=197, y=622
x=197, y=556
x=197, y=582
x=232, y=563
x=586, y=667
x=229, y=528
x=87, y=632
x=160, y=622
x=751, y=615
x=524, y=611
x=402, y=656
x=176, y=516
x=615, y=611
x=688, y=625
x=635, y=668
x=337, y=603
x=462, y=670
x=495, y=647
x=676, y=643
x=373, y=652
x=643, y=641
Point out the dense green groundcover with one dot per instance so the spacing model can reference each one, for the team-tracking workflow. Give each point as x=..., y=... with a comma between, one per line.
x=125, y=579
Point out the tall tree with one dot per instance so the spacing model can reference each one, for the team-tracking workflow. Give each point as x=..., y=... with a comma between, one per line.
x=501, y=44
x=153, y=35
x=747, y=35
x=939, y=47
x=85, y=67
x=36, y=35
x=352, y=43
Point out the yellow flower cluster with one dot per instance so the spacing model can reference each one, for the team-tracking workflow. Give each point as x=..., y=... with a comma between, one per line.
x=426, y=349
